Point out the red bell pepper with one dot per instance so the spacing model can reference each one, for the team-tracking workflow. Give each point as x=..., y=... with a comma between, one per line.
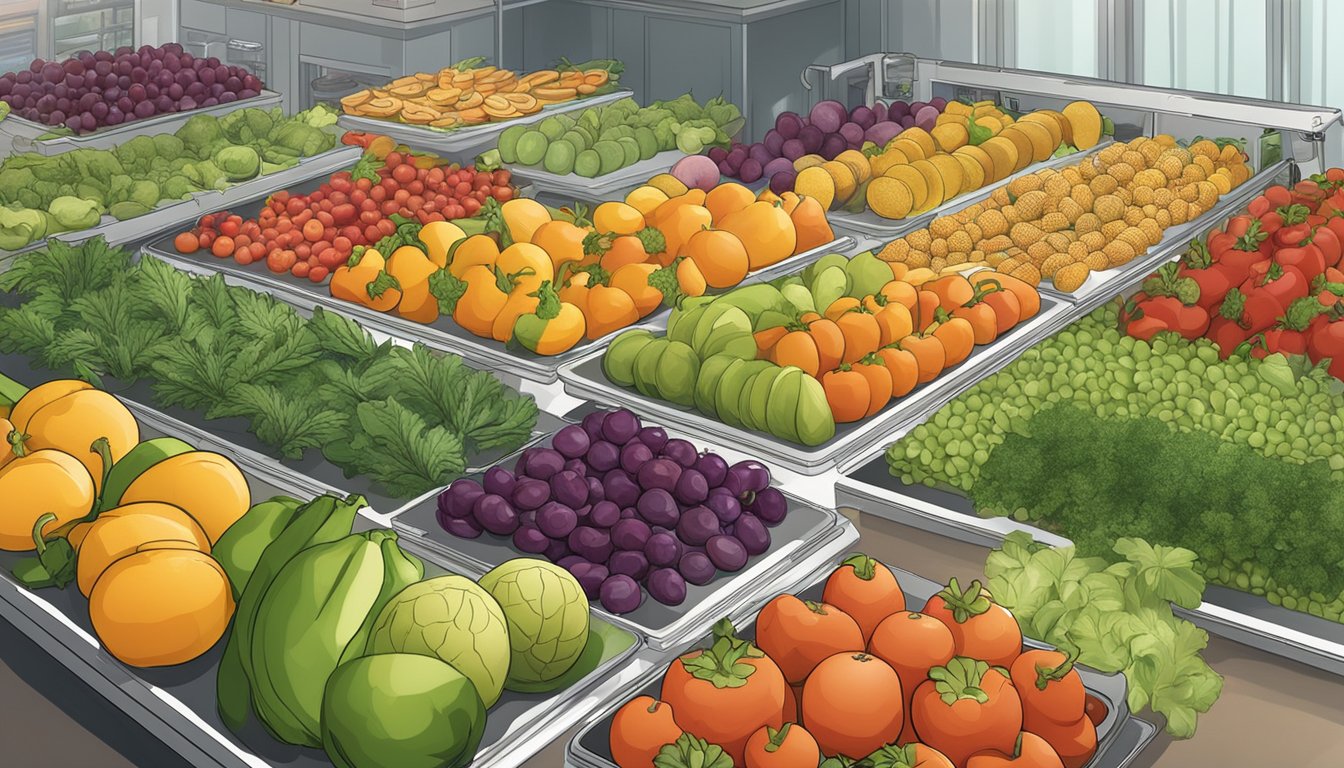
x=1145, y=328
x=1221, y=242
x=1238, y=225
x=1213, y=281
x=1278, y=196
x=1283, y=284
x=1308, y=260
x=1168, y=281
x=1227, y=334
x=1332, y=248
x=1293, y=228
x=1290, y=335
x=1328, y=342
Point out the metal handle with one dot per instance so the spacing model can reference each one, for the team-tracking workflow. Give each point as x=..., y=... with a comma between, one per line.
x=245, y=45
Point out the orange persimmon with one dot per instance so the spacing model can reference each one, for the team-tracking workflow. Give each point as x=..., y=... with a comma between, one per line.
x=639, y=731
x=799, y=634
x=929, y=355
x=903, y=367
x=798, y=348
x=866, y=590
x=720, y=255
x=847, y=393
x=788, y=747
x=810, y=224
x=852, y=704
x=879, y=381
x=862, y=334
x=830, y=343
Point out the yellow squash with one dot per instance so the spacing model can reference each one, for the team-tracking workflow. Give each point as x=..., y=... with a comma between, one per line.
x=120, y=532
x=438, y=237
x=37, y=483
x=69, y=416
x=207, y=485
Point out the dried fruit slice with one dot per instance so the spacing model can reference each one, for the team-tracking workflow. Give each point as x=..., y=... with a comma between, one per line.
x=951, y=136
x=1023, y=144
x=909, y=147
x=890, y=198
x=1085, y=122
x=1004, y=154
x=845, y=181
x=1050, y=121
x=879, y=164
x=857, y=163
x=972, y=173
x=934, y=180
x=922, y=138
x=1041, y=144
x=912, y=178
x=815, y=182
x=954, y=178
x=983, y=159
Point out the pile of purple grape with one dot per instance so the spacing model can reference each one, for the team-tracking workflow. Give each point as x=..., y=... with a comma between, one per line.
x=620, y=505
x=827, y=130
x=89, y=90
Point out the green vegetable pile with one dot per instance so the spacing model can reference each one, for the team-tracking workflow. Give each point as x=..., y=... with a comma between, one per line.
x=1237, y=460
x=41, y=195
x=1117, y=615
x=603, y=139
x=408, y=419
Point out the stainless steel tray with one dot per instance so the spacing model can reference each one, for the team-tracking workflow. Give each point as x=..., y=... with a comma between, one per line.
x=472, y=140
x=443, y=334
x=808, y=531
x=1120, y=736
x=872, y=225
x=24, y=133
x=184, y=213
x=1238, y=616
x=599, y=188
x=584, y=378
x=177, y=704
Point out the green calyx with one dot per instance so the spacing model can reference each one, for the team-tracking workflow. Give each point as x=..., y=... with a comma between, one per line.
x=965, y=604
x=721, y=665
x=961, y=680
x=864, y=566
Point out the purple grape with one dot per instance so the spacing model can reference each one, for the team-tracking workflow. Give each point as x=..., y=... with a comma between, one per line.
x=681, y=451
x=753, y=534
x=620, y=488
x=596, y=491
x=630, y=534
x=908, y=121
x=495, y=514
x=144, y=109
x=862, y=116
x=604, y=456
x=879, y=112
x=592, y=425
x=620, y=427
x=582, y=513
x=543, y=463
x=621, y=594
x=604, y=514
x=114, y=116
x=751, y=171
x=938, y=103
x=667, y=586
x=530, y=539
x=751, y=476
x=569, y=488
x=833, y=146
x=726, y=170
x=463, y=527
x=577, y=466
x=725, y=505
x=520, y=466
x=788, y=124
x=777, y=166
x=735, y=159
x=793, y=149
x=629, y=513
x=657, y=507
x=697, y=526
x=592, y=543
x=783, y=181
x=713, y=467
x=634, y=455
x=915, y=106
x=773, y=141
x=759, y=153
x=530, y=493
x=557, y=520
x=828, y=115
x=558, y=550
x=654, y=437
x=659, y=473
x=590, y=577
x=726, y=552
x=499, y=481
x=663, y=549
x=718, y=154
x=632, y=564
x=853, y=134
x=770, y=506
x=572, y=442
x=696, y=568
x=458, y=499
x=691, y=487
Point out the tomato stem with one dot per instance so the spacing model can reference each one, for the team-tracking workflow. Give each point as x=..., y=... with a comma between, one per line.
x=967, y=603
x=864, y=566
x=1046, y=675
x=776, y=737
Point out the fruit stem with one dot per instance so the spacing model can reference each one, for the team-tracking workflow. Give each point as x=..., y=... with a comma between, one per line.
x=1046, y=675
x=864, y=566
x=17, y=442
x=41, y=543
x=776, y=737
x=964, y=603
x=103, y=448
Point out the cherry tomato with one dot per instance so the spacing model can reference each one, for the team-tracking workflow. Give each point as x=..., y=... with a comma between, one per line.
x=318, y=274
x=300, y=268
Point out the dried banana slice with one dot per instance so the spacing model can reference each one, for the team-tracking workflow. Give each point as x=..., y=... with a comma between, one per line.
x=520, y=100
x=597, y=77
x=444, y=97
x=447, y=121
x=418, y=114
x=470, y=100
x=384, y=106
x=480, y=73
x=473, y=116
x=356, y=99
x=571, y=80
x=400, y=81
x=410, y=90
x=586, y=89
x=555, y=95
x=541, y=77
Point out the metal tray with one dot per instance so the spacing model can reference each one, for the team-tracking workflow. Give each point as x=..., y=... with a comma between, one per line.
x=24, y=133
x=312, y=464
x=177, y=704
x=600, y=188
x=471, y=140
x=872, y=225
x=1120, y=736
x=1102, y=286
x=184, y=213
x=808, y=532
x=443, y=334
x=585, y=379
x=1237, y=616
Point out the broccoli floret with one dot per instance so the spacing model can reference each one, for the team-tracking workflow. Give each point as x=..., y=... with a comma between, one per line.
x=48, y=190
x=200, y=131
x=99, y=165
x=168, y=146
x=684, y=107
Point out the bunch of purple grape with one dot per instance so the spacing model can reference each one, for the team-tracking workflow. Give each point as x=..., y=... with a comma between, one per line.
x=89, y=90
x=620, y=505
x=827, y=130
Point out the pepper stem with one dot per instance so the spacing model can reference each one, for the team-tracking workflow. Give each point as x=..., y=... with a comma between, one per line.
x=41, y=523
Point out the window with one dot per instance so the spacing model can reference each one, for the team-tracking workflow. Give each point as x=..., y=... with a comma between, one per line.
x=1053, y=36
x=1218, y=46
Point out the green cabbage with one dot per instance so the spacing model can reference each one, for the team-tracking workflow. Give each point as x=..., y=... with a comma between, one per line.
x=547, y=614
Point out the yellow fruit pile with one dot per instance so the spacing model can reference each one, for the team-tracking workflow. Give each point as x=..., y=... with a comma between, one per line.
x=1063, y=225
x=453, y=97
x=920, y=170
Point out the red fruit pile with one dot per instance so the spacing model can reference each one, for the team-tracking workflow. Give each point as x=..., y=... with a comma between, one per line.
x=310, y=235
x=1270, y=281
